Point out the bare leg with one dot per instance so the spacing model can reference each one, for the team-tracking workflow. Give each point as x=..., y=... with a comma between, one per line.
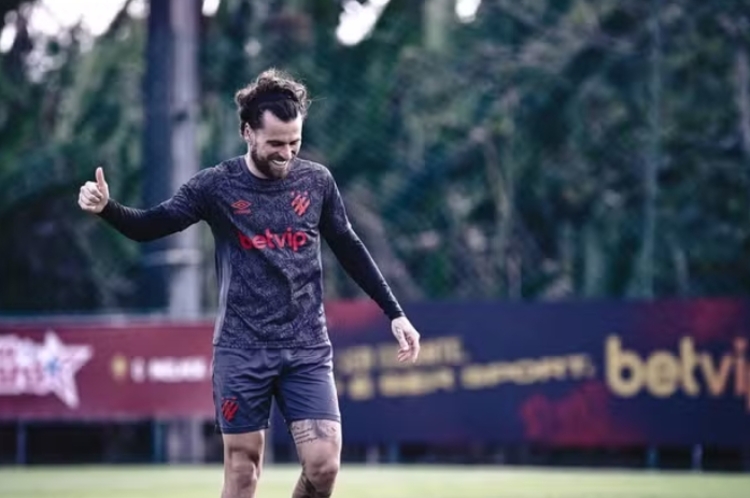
x=319, y=449
x=243, y=454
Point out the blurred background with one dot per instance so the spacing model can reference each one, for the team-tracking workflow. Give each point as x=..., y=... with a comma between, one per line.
x=557, y=191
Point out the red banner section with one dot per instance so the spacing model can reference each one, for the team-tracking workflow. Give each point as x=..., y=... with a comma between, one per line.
x=105, y=371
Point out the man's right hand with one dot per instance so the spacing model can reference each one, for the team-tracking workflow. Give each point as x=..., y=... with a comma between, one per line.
x=94, y=195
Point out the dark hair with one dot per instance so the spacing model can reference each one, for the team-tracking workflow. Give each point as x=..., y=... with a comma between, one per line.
x=275, y=91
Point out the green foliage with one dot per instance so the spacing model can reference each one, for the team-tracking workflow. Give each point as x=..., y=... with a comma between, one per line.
x=504, y=158
x=60, y=125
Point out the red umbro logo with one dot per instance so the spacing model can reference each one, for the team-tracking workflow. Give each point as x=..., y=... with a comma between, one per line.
x=241, y=207
x=300, y=202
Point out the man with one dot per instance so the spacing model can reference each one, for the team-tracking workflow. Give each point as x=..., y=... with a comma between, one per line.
x=268, y=211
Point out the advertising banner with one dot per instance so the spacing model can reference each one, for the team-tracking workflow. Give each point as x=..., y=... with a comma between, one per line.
x=105, y=371
x=583, y=374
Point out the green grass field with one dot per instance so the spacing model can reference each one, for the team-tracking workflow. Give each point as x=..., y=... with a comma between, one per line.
x=372, y=482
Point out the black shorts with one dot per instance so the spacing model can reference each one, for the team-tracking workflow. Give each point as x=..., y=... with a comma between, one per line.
x=246, y=381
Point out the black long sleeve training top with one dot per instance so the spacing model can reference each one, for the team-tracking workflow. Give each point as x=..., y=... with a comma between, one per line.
x=267, y=237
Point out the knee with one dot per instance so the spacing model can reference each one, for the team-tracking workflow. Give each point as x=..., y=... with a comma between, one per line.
x=322, y=473
x=242, y=468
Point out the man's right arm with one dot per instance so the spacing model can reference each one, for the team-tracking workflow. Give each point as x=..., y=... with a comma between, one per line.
x=185, y=208
x=144, y=225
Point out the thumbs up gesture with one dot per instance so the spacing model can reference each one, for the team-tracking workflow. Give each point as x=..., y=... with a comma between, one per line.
x=94, y=195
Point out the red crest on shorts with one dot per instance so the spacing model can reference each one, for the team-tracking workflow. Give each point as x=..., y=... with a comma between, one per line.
x=229, y=408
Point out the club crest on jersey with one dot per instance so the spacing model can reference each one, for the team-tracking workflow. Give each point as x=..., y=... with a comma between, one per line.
x=300, y=202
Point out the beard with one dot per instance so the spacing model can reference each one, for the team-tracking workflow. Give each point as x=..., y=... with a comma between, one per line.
x=268, y=168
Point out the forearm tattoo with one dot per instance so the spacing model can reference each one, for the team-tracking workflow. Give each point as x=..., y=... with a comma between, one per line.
x=308, y=431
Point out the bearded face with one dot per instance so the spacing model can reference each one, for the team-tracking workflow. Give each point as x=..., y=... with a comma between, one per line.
x=274, y=145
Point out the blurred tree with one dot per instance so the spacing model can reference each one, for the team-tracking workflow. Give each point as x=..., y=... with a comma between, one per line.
x=545, y=150
x=63, y=110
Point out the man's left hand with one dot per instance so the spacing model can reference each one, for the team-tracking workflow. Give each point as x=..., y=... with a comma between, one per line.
x=407, y=337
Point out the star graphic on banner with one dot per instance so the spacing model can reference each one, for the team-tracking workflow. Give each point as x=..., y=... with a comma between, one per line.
x=60, y=364
x=43, y=368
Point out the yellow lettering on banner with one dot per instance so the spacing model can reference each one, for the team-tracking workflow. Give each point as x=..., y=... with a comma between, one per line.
x=619, y=361
x=740, y=386
x=361, y=387
x=526, y=371
x=580, y=366
x=664, y=373
x=557, y=368
x=689, y=362
x=448, y=350
x=716, y=377
x=416, y=383
x=356, y=359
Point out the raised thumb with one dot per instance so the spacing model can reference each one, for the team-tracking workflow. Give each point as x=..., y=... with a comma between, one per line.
x=100, y=182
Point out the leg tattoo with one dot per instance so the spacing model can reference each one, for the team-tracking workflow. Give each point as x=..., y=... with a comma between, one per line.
x=318, y=445
x=305, y=489
x=308, y=431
